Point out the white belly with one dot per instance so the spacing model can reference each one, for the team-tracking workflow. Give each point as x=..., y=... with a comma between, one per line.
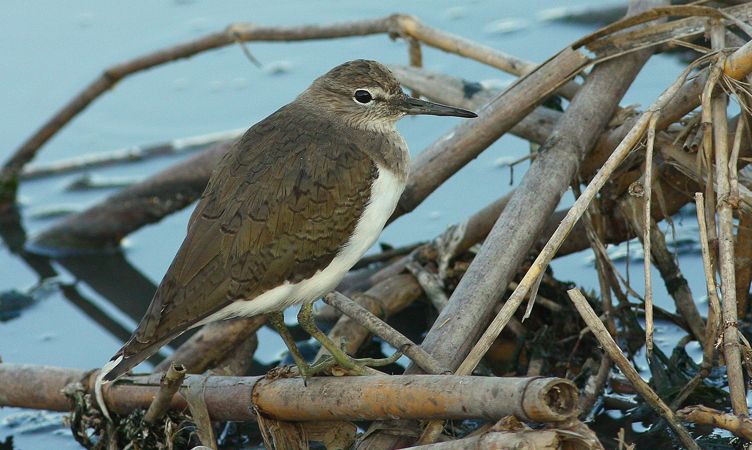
x=385, y=193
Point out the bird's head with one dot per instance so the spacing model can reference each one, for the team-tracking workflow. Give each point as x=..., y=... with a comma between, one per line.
x=367, y=95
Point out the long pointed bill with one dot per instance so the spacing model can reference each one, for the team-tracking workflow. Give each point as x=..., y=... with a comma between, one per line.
x=418, y=106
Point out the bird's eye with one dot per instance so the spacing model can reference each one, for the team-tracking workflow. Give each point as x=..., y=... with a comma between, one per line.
x=362, y=96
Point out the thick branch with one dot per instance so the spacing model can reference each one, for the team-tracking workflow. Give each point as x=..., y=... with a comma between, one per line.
x=323, y=398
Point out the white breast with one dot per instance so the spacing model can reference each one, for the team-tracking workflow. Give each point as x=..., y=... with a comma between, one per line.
x=385, y=193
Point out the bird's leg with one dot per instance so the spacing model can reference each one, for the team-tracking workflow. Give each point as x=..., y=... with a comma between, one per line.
x=305, y=319
x=277, y=321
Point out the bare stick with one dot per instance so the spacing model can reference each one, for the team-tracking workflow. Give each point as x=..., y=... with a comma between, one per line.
x=714, y=305
x=648, y=218
x=731, y=349
x=608, y=344
x=702, y=415
x=384, y=331
x=323, y=398
x=168, y=386
x=566, y=225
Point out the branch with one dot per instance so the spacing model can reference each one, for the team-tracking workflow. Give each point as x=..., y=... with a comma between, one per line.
x=322, y=399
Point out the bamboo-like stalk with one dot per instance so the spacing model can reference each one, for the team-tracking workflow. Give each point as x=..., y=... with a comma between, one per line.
x=621, y=361
x=646, y=241
x=714, y=305
x=168, y=386
x=731, y=351
x=321, y=398
x=702, y=415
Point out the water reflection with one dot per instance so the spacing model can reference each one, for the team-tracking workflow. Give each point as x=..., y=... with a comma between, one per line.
x=109, y=274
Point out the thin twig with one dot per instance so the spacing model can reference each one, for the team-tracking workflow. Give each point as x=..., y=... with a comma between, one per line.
x=714, y=305
x=648, y=218
x=621, y=361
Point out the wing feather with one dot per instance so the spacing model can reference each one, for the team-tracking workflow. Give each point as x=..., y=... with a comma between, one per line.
x=280, y=206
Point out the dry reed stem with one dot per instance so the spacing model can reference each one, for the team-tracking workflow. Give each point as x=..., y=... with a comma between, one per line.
x=573, y=215
x=322, y=398
x=702, y=415
x=707, y=157
x=648, y=219
x=168, y=386
x=385, y=332
x=667, y=32
x=675, y=282
x=731, y=350
x=621, y=361
x=714, y=305
x=730, y=331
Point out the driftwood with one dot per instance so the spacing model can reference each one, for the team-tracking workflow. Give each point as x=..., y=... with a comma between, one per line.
x=384, y=299
x=702, y=415
x=103, y=225
x=131, y=154
x=323, y=398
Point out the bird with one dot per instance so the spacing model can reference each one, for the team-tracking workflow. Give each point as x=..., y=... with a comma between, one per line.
x=290, y=208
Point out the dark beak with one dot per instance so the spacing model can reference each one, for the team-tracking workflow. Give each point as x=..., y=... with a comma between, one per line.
x=418, y=106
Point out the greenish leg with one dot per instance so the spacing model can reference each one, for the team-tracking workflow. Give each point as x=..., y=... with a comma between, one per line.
x=277, y=321
x=305, y=319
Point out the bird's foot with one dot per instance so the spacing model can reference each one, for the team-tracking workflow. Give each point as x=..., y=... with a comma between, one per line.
x=355, y=366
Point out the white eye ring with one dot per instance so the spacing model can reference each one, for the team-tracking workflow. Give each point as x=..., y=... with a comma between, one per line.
x=362, y=96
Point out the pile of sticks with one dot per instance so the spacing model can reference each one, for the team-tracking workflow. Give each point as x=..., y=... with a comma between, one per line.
x=629, y=169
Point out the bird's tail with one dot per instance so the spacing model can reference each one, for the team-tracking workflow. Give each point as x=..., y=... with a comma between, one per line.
x=119, y=365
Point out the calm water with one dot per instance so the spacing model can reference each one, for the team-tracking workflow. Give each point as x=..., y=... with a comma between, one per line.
x=51, y=49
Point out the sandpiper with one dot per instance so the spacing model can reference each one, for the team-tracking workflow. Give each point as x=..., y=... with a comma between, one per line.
x=292, y=206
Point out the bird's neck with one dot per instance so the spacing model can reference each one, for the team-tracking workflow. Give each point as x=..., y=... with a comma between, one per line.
x=378, y=138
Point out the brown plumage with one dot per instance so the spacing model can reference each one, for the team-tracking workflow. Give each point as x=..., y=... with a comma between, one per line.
x=282, y=204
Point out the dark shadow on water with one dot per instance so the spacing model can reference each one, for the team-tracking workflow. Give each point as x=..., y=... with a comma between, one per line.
x=109, y=274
